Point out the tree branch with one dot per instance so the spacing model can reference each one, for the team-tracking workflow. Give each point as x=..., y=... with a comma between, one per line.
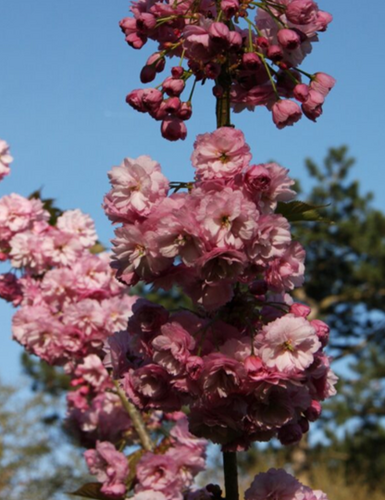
x=136, y=418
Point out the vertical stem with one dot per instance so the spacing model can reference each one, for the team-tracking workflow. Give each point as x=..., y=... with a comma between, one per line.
x=223, y=109
x=223, y=103
x=231, y=475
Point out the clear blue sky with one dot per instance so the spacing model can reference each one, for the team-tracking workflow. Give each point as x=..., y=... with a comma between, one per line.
x=65, y=73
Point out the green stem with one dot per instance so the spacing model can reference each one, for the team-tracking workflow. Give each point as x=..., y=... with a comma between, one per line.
x=231, y=475
x=136, y=418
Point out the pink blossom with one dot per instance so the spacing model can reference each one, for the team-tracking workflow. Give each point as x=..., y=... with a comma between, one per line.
x=5, y=159
x=137, y=185
x=93, y=372
x=18, y=214
x=301, y=11
x=221, y=376
x=322, y=83
x=159, y=473
x=110, y=466
x=221, y=154
x=221, y=264
x=272, y=239
x=79, y=225
x=172, y=348
x=287, y=272
x=136, y=253
x=228, y=218
x=288, y=344
x=149, y=387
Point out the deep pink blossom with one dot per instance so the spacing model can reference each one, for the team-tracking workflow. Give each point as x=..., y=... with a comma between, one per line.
x=110, y=466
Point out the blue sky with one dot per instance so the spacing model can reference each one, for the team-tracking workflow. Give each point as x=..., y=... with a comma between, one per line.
x=66, y=71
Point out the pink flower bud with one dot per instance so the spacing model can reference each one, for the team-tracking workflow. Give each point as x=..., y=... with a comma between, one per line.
x=128, y=23
x=219, y=32
x=253, y=364
x=185, y=111
x=312, y=107
x=301, y=11
x=322, y=83
x=173, y=129
x=275, y=53
x=157, y=61
x=289, y=39
x=145, y=21
x=159, y=113
x=286, y=112
x=147, y=74
x=134, y=99
x=135, y=40
x=300, y=310
x=173, y=86
x=235, y=39
x=301, y=92
x=251, y=61
x=323, y=19
x=263, y=42
x=177, y=72
x=229, y=8
x=172, y=105
x=152, y=98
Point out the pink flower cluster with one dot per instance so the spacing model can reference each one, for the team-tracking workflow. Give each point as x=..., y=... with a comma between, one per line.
x=166, y=474
x=247, y=362
x=70, y=301
x=256, y=59
x=5, y=159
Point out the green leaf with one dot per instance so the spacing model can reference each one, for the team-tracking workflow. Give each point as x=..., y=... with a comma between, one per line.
x=92, y=490
x=298, y=211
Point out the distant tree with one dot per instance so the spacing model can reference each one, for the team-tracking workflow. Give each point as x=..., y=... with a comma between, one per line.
x=35, y=461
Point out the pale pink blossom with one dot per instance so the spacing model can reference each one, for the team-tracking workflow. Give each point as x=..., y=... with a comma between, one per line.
x=221, y=154
x=78, y=224
x=5, y=159
x=288, y=344
x=18, y=214
x=94, y=373
x=137, y=185
x=228, y=218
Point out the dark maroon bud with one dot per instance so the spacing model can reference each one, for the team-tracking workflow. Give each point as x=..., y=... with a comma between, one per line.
x=147, y=74
x=177, y=71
